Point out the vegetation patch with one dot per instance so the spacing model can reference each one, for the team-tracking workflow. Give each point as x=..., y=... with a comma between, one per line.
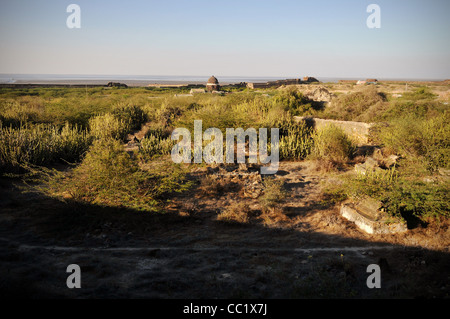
x=109, y=176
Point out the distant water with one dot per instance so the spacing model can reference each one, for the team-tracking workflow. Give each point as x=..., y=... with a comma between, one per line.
x=156, y=79
x=150, y=79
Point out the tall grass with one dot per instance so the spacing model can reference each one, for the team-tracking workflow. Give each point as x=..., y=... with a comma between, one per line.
x=40, y=145
x=16, y=114
x=117, y=124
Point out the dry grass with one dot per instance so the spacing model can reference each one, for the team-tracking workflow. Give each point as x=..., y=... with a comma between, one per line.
x=216, y=185
x=274, y=216
x=237, y=212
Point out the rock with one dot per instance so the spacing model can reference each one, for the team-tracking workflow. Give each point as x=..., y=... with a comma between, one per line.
x=378, y=154
x=371, y=163
x=383, y=161
x=360, y=169
x=252, y=191
x=319, y=94
x=391, y=161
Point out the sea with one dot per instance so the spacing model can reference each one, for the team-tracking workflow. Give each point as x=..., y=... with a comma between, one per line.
x=157, y=79
x=150, y=79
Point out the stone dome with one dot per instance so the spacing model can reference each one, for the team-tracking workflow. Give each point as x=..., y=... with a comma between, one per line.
x=213, y=80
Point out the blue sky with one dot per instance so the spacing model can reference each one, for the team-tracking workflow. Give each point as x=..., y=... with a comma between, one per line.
x=323, y=38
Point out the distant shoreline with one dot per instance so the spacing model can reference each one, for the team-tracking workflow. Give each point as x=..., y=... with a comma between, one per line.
x=168, y=83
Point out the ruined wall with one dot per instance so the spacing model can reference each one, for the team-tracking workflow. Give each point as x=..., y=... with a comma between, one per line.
x=276, y=83
x=358, y=131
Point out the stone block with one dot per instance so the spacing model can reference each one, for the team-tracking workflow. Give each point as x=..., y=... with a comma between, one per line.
x=368, y=217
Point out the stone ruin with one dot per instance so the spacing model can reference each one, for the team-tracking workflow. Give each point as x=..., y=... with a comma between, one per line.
x=367, y=213
x=377, y=162
x=212, y=84
x=320, y=95
x=116, y=85
x=369, y=216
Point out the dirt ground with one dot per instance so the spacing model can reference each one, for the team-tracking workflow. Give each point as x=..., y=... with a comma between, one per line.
x=307, y=251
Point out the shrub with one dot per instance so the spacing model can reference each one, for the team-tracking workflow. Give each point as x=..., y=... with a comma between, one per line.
x=16, y=114
x=159, y=130
x=168, y=113
x=152, y=145
x=404, y=197
x=133, y=116
x=332, y=144
x=109, y=176
x=293, y=101
x=422, y=93
x=354, y=106
x=108, y=126
x=417, y=199
x=425, y=141
x=41, y=145
x=274, y=193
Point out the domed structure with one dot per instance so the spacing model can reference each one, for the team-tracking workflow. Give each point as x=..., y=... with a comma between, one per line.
x=213, y=84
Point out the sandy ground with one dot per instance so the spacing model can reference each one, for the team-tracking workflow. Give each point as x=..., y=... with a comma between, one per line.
x=309, y=252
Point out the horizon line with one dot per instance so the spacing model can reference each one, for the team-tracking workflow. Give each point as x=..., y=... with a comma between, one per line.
x=225, y=76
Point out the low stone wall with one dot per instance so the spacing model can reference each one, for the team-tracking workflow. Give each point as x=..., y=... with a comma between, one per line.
x=358, y=131
x=370, y=221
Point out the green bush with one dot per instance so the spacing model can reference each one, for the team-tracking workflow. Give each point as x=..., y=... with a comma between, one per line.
x=41, y=145
x=402, y=196
x=293, y=101
x=425, y=141
x=109, y=176
x=108, y=126
x=422, y=93
x=332, y=144
x=361, y=105
x=152, y=145
x=133, y=116
x=417, y=199
x=274, y=193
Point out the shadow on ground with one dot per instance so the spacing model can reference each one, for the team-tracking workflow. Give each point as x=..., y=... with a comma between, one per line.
x=124, y=253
